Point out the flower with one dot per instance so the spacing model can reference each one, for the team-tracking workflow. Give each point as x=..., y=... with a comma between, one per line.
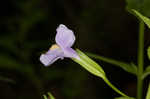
x=64, y=40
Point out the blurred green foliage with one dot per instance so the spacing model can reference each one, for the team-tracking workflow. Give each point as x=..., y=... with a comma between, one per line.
x=140, y=5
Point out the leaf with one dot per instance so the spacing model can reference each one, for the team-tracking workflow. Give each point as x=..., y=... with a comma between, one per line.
x=51, y=96
x=89, y=65
x=124, y=98
x=143, y=18
x=148, y=92
x=146, y=72
x=131, y=68
x=45, y=97
x=148, y=52
x=140, y=5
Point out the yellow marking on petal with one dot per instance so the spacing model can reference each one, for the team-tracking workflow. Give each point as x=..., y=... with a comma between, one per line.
x=55, y=46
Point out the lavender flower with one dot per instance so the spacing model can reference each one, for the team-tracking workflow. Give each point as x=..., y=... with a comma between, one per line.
x=64, y=40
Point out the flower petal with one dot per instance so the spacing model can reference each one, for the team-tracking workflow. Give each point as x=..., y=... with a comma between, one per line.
x=51, y=56
x=64, y=37
x=71, y=53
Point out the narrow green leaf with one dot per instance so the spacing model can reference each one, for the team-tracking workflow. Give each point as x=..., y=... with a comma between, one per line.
x=51, y=96
x=131, y=68
x=45, y=97
x=146, y=72
x=145, y=19
x=148, y=52
x=148, y=92
x=89, y=65
x=124, y=98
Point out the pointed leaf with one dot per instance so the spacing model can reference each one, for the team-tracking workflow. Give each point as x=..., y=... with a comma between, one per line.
x=148, y=92
x=146, y=72
x=45, y=97
x=148, y=52
x=143, y=18
x=131, y=68
x=51, y=96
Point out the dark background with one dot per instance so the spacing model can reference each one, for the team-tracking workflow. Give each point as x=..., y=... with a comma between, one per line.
x=28, y=28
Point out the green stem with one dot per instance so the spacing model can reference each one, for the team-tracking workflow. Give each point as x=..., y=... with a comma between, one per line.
x=140, y=60
x=114, y=88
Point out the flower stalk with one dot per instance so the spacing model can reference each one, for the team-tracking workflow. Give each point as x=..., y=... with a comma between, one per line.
x=140, y=60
